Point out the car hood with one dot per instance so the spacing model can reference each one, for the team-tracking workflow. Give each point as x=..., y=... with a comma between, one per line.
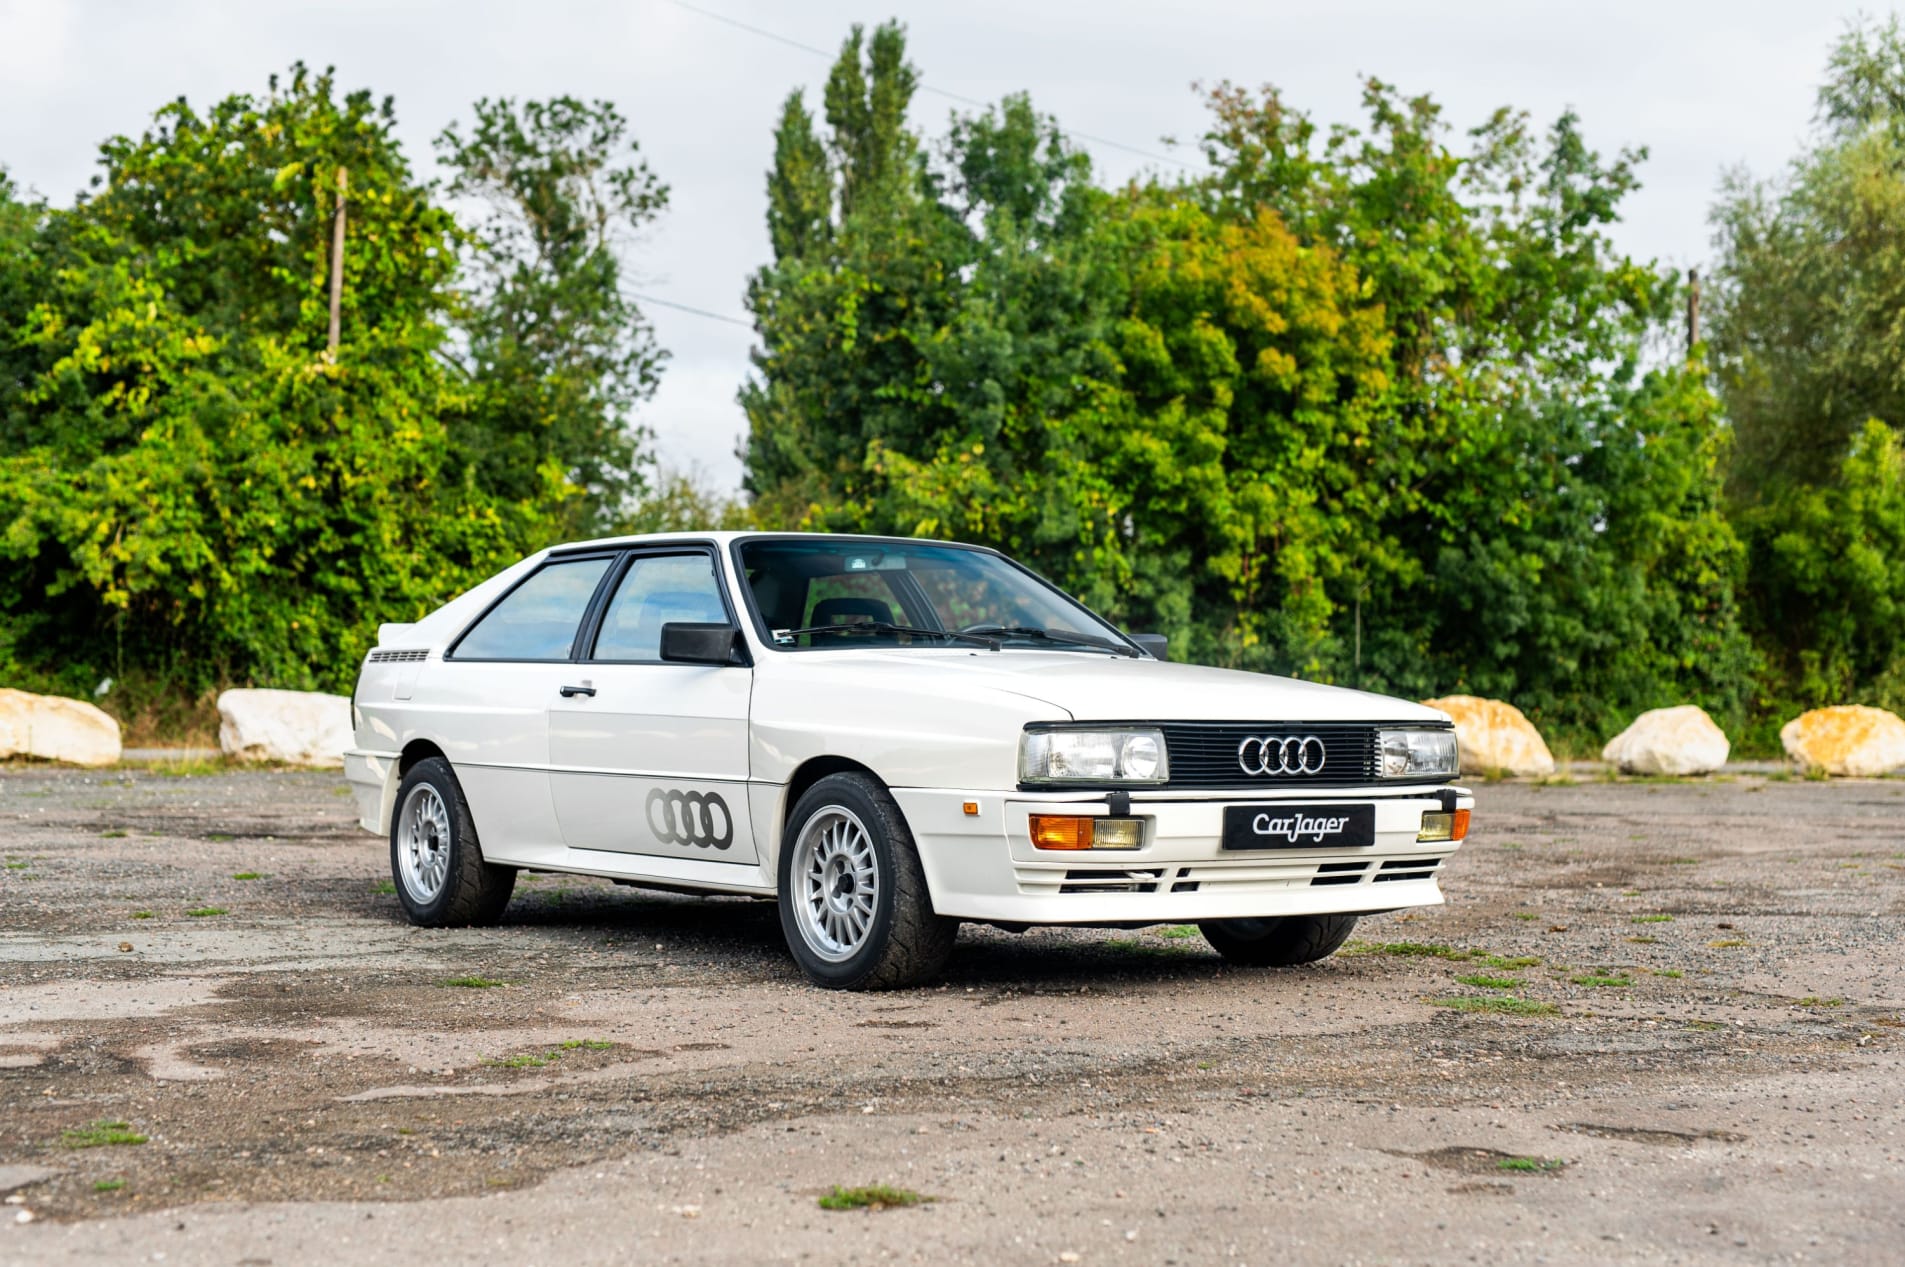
x=1115, y=688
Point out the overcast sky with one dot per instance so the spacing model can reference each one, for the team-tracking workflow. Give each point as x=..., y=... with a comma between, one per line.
x=1703, y=86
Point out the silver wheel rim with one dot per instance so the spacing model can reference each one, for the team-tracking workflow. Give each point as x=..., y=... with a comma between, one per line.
x=836, y=880
x=423, y=843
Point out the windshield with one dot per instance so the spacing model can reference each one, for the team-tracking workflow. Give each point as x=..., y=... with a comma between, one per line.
x=848, y=592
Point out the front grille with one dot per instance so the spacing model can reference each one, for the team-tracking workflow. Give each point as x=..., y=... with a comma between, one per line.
x=1204, y=754
x=398, y=657
x=1408, y=869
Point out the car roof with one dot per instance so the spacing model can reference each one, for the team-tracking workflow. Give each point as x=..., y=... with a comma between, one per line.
x=726, y=536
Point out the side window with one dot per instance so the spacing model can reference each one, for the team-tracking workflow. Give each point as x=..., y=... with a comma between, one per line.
x=539, y=619
x=658, y=589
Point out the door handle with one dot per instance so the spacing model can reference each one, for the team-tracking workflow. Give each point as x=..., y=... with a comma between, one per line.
x=567, y=691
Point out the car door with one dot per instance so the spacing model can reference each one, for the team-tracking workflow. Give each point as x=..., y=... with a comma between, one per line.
x=487, y=704
x=654, y=758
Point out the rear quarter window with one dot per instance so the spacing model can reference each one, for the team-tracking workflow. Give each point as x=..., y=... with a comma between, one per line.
x=538, y=619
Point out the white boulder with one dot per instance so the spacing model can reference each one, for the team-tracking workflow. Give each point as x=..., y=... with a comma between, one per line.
x=1495, y=738
x=288, y=727
x=56, y=729
x=1681, y=740
x=1847, y=739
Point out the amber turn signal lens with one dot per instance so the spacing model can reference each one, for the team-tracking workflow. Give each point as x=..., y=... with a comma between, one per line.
x=1055, y=831
x=1444, y=825
x=1051, y=831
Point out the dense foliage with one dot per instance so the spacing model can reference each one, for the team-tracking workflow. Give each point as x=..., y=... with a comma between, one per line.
x=1377, y=404
x=1810, y=357
x=1354, y=406
x=195, y=491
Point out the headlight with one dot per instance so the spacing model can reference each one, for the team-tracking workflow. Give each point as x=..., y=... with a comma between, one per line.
x=1093, y=756
x=1414, y=754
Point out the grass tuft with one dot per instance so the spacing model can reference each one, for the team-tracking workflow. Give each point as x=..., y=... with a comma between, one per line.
x=1653, y=919
x=206, y=912
x=473, y=983
x=1530, y=1165
x=1491, y=983
x=109, y=1185
x=1601, y=980
x=101, y=1134
x=1813, y=1001
x=249, y=875
x=876, y=1196
x=1507, y=1003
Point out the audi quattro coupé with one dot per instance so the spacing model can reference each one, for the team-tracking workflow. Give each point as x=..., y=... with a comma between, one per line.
x=887, y=737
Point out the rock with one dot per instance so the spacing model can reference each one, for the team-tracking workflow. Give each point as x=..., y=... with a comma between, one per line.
x=290, y=727
x=1680, y=740
x=56, y=729
x=1848, y=739
x=1495, y=737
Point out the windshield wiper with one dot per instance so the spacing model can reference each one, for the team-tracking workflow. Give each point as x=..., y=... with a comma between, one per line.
x=888, y=627
x=1047, y=635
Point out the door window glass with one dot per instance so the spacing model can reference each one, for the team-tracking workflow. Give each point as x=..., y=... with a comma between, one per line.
x=539, y=619
x=657, y=590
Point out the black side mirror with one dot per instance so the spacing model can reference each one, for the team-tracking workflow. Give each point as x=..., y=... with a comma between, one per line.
x=1153, y=645
x=684, y=643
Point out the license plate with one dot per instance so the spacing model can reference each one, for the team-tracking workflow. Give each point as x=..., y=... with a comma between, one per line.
x=1299, y=826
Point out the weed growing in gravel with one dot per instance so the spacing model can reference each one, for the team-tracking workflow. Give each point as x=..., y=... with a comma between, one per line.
x=1491, y=983
x=1727, y=943
x=1811, y=1001
x=1642, y=939
x=1653, y=919
x=218, y=836
x=586, y=1044
x=527, y=1060
x=1673, y=974
x=14, y=864
x=474, y=983
x=142, y=915
x=206, y=912
x=1508, y=1003
x=1600, y=981
x=1705, y=1025
x=876, y=1196
x=384, y=888
x=112, y=835
x=101, y=1134
x=1526, y=915
x=1405, y=949
x=109, y=1185
x=1526, y=1165
x=1177, y=932
x=249, y=875
x=1135, y=946
x=1510, y=962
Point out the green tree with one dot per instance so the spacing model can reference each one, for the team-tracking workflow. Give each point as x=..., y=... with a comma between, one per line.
x=1810, y=361
x=192, y=489
x=1353, y=405
x=558, y=356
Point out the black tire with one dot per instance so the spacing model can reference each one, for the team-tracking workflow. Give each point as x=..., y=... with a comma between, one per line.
x=906, y=943
x=472, y=891
x=1278, y=943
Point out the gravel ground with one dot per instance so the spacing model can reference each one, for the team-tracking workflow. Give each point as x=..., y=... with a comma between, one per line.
x=1656, y=1022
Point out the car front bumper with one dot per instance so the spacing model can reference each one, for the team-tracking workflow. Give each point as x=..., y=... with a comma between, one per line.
x=983, y=865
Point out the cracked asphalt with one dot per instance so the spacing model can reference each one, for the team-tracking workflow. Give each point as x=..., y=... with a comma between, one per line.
x=1656, y=1022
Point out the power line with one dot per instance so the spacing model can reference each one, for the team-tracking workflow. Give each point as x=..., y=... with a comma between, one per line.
x=699, y=312
x=778, y=38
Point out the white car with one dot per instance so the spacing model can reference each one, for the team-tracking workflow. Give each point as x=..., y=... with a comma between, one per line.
x=888, y=736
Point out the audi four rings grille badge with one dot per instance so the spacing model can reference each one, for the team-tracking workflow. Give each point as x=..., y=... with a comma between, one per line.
x=690, y=818
x=1293, y=754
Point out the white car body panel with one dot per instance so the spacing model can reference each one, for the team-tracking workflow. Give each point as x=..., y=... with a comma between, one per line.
x=565, y=784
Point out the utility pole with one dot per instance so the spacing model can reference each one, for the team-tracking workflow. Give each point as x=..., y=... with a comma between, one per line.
x=337, y=264
x=1693, y=310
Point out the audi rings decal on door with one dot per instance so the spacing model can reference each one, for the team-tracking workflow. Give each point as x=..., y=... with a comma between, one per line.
x=690, y=818
x=1272, y=754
